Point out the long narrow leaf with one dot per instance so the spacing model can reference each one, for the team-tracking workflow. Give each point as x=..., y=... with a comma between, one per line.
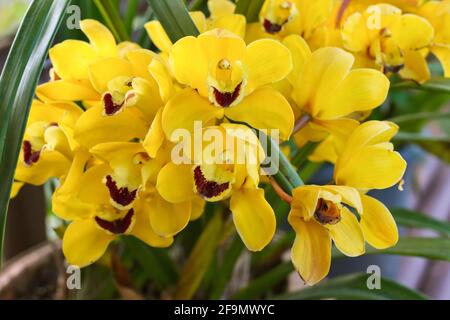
x=174, y=17
x=355, y=287
x=17, y=84
x=440, y=85
x=415, y=219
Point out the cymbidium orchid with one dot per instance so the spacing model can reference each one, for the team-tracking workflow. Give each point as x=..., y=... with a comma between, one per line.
x=324, y=87
x=280, y=18
x=382, y=37
x=320, y=214
x=226, y=168
x=226, y=78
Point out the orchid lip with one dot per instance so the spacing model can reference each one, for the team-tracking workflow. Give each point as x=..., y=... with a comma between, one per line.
x=326, y=214
x=121, y=196
x=208, y=189
x=118, y=226
x=270, y=27
x=29, y=156
x=225, y=99
x=110, y=107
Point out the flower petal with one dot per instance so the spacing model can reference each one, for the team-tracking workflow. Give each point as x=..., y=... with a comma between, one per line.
x=155, y=136
x=184, y=109
x=158, y=35
x=413, y=32
x=253, y=217
x=180, y=175
x=300, y=55
x=167, y=219
x=350, y=196
x=265, y=108
x=100, y=38
x=103, y=71
x=311, y=251
x=268, y=61
x=84, y=242
x=347, y=234
x=62, y=90
x=443, y=55
x=93, y=127
x=416, y=67
x=377, y=224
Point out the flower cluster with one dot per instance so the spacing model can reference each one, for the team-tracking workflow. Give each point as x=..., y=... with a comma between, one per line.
x=107, y=125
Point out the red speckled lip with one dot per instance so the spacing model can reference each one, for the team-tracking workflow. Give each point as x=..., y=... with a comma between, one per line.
x=118, y=226
x=109, y=106
x=208, y=189
x=225, y=99
x=122, y=196
x=29, y=156
x=271, y=28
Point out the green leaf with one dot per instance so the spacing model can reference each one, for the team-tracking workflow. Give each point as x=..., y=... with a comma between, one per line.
x=154, y=262
x=132, y=7
x=415, y=219
x=250, y=9
x=113, y=19
x=441, y=85
x=17, y=84
x=200, y=259
x=420, y=117
x=261, y=285
x=430, y=248
x=439, y=146
x=354, y=287
x=227, y=267
x=174, y=17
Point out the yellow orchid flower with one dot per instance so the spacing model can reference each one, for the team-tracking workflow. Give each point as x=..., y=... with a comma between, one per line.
x=438, y=14
x=95, y=204
x=324, y=87
x=221, y=16
x=48, y=145
x=318, y=215
x=382, y=37
x=230, y=172
x=226, y=78
x=280, y=18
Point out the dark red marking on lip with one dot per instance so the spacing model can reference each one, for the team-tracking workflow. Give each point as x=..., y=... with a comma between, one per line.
x=121, y=196
x=118, y=226
x=225, y=99
x=270, y=27
x=208, y=189
x=29, y=156
x=110, y=107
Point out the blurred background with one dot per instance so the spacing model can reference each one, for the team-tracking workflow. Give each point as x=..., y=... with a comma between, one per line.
x=32, y=247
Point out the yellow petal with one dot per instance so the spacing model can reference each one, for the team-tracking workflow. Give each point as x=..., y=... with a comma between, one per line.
x=347, y=234
x=62, y=90
x=235, y=23
x=311, y=251
x=413, y=32
x=100, y=38
x=103, y=71
x=158, y=35
x=268, y=61
x=183, y=109
x=155, y=136
x=253, y=217
x=167, y=219
x=300, y=55
x=141, y=59
x=143, y=230
x=199, y=20
x=163, y=79
x=16, y=186
x=350, y=196
x=265, y=108
x=192, y=71
x=180, y=175
x=415, y=67
x=362, y=89
x=354, y=33
x=93, y=127
x=197, y=208
x=218, y=8
x=377, y=224
x=71, y=59
x=51, y=164
x=372, y=167
x=84, y=242
x=92, y=189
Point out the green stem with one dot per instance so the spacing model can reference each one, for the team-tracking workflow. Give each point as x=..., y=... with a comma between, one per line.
x=112, y=19
x=130, y=14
